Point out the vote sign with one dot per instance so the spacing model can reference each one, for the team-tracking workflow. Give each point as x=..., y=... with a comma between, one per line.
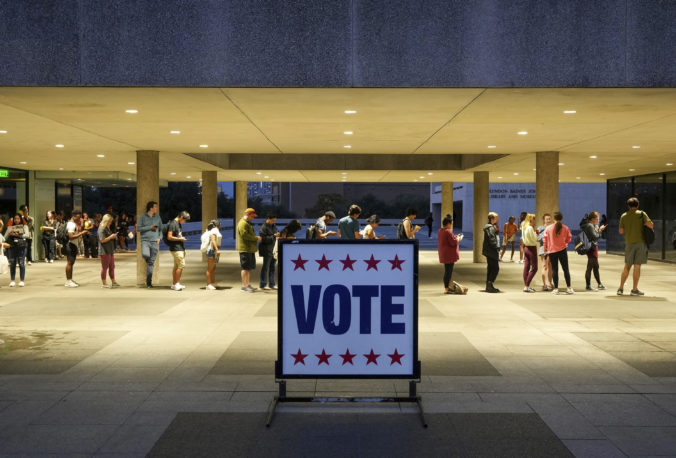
x=348, y=309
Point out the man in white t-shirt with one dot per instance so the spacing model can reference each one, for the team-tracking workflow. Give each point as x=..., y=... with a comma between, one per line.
x=70, y=249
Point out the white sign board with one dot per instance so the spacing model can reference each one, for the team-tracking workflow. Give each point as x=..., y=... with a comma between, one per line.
x=348, y=309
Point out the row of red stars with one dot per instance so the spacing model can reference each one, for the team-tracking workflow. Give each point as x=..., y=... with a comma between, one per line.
x=372, y=263
x=323, y=357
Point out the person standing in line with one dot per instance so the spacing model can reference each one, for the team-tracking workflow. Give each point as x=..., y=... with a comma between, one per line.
x=491, y=250
x=269, y=233
x=522, y=218
x=557, y=238
x=407, y=224
x=509, y=237
x=448, y=247
x=3, y=244
x=211, y=240
x=149, y=229
x=30, y=224
x=544, y=259
x=177, y=248
x=106, y=249
x=321, y=224
x=17, y=236
x=636, y=250
x=48, y=230
x=428, y=222
x=590, y=226
x=247, y=246
x=348, y=227
x=369, y=232
x=71, y=249
x=529, y=240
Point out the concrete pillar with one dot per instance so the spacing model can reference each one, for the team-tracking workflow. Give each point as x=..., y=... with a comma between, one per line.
x=446, y=201
x=546, y=183
x=480, y=212
x=147, y=189
x=241, y=201
x=209, y=197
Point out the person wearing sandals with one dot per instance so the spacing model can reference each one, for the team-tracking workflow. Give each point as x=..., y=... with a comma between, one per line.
x=544, y=259
x=557, y=238
x=107, y=239
x=448, y=246
x=590, y=226
x=529, y=240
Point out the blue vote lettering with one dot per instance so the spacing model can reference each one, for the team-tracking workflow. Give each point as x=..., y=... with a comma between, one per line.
x=306, y=312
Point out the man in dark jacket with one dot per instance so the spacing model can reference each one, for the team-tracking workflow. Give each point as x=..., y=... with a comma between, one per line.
x=268, y=234
x=491, y=249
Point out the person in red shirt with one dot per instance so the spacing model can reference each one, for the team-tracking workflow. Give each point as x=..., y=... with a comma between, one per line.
x=510, y=231
x=557, y=238
x=449, y=250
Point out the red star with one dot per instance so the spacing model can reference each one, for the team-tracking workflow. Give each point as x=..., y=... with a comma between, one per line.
x=323, y=263
x=396, y=262
x=300, y=263
x=347, y=357
x=396, y=357
x=347, y=263
x=299, y=358
x=323, y=358
x=372, y=358
x=372, y=263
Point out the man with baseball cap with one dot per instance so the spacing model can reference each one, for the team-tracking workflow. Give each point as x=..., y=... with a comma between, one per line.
x=247, y=245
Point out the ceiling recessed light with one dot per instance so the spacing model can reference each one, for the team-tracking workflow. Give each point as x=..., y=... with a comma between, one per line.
x=204, y=146
x=188, y=176
x=175, y=132
x=59, y=146
x=534, y=170
x=350, y=111
x=266, y=176
x=172, y=173
x=131, y=163
x=523, y=132
x=128, y=179
x=499, y=177
x=602, y=174
x=636, y=146
x=669, y=164
x=343, y=173
x=258, y=173
x=347, y=146
x=562, y=163
x=516, y=173
x=100, y=155
x=3, y=131
x=60, y=168
x=422, y=177
x=348, y=132
x=23, y=162
x=569, y=111
x=632, y=170
x=492, y=146
x=577, y=178
x=131, y=111
x=430, y=173
x=593, y=157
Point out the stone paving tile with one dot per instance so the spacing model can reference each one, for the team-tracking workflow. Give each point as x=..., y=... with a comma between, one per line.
x=620, y=410
x=92, y=408
x=133, y=440
x=55, y=439
x=643, y=441
x=582, y=448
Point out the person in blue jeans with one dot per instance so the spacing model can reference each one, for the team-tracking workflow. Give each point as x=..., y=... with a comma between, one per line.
x=149, y=230
x=268, y=234
x=17, y=235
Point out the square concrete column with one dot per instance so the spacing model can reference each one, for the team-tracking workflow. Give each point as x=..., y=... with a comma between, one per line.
x=546, y=183
x=446, y=201
x=147, y=189
x=241, y=201
x=209, y=197
x=480, y=213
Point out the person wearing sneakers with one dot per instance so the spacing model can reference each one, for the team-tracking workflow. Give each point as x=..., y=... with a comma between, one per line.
x=491, y=250
x=70, y=249
x=48, y=230
x=557, y=238
x=448, y=247
x=3, y=245
x=590, y=226
x=529, y=240
x=211, y=241
x=106, y=251
x=247, y=245
x=546, y=265
x=636, y=250
x=149, y=230
x=17, y=236
x=177, y=249
x=269, y=234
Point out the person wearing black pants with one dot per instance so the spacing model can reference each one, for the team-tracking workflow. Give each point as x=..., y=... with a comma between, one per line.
x=590, y=226
x=491, y=249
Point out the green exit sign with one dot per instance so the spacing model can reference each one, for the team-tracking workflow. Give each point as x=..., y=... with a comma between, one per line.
x=4, y=173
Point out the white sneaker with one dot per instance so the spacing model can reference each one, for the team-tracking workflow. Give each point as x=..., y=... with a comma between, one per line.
x=12, y=284
x=176, y=287
x=570, y=291
x=71, y=284
x=180, y=285
x=51, y=261
x=555, y=291
x=21, y=285
x=211, y=287
x=30, y=263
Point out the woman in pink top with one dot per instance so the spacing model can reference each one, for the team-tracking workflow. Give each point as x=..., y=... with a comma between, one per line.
x=557, y=237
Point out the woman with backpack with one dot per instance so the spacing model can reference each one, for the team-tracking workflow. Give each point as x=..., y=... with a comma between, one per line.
x=17, y=235
x=557, y=238
x=406, y=229
x=211, y=246
x=590, y=226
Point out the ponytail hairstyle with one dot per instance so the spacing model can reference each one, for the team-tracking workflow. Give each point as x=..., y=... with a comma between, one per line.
x=448, y=219
x=373, y=219
x=558, y=217
x=214, y=223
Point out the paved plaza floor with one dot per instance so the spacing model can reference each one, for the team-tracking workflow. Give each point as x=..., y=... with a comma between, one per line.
x=134, y=372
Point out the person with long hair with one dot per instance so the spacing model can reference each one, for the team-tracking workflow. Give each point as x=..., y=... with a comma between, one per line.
x=522, y=218
x=529, y=240
x=211, y=240
x=369, y=232
x=106, y=249
x=590, y=226
x=557, y=238
x=448, y=246
x=17, y=236
x=48, y=229
x=509, y=237
x=544, y=259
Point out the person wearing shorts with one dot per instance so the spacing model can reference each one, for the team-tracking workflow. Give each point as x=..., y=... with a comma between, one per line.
x=247, y=245
x=177, y=249
x=636, y=249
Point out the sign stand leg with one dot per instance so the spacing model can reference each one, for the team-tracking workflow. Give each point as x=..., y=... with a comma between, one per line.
x=275, y=401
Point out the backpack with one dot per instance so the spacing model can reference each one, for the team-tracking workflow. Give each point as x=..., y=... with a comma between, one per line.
x=205, y=241
x=582, y=243
x=648, y=233
x=311, y=232
x=401, y=231
x=62, y=234
x=165, y=234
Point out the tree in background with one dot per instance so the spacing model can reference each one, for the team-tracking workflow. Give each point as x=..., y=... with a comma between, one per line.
x=369, y=204
x=325, y=202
